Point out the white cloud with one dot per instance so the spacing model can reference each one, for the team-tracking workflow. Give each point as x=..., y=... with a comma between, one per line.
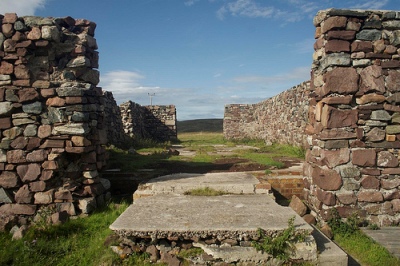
x=371, y=4
x=245, y=8
x=298, y=74
x=194, y=102
x=190, y=2
x=21, y=7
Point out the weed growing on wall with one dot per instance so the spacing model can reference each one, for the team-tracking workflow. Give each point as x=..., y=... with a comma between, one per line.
x=281, y=245
x=345, y=228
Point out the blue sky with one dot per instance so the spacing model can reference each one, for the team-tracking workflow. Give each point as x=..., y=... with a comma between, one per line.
x=198, y=54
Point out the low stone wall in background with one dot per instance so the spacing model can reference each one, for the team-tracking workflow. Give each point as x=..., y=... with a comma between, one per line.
x=282, y=118
x=157, y=122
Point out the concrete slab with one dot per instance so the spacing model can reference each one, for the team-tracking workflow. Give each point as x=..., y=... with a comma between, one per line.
x=387, y=237
x=329, y=253
x=229, y=216
x=178, y=184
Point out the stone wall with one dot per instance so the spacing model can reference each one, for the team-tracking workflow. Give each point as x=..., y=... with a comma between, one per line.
x=281, y=118
x=354, y=131
x=156, y=122
x=113, y=121
x=51, y=117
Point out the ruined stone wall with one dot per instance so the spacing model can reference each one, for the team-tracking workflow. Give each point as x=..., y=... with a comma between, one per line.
x=51, y=117
x=353, y=161
x=113, y=121
x=156, y=122
x=280, y=119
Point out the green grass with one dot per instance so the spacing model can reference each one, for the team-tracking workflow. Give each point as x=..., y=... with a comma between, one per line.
x=352, y=240
x=284, y=150
x=204, y=144
x=207, y=191
x=262, y=159
x=365, y=250
x=77, y=242
x=128, y=162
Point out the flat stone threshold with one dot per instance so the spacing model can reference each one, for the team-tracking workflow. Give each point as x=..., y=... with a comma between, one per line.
x=178, y=184
x=228, y=216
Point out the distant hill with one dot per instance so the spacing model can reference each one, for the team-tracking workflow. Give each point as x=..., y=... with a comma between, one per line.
x=200, y=125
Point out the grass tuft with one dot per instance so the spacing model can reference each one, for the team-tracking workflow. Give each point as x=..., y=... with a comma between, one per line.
x=349, y=237
x=207, y=191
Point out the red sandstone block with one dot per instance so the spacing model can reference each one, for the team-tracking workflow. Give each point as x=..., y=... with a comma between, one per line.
x=372, y=55
x=362, y=46
x=6, y=68
x=9, y=167
x=335, y=118
x=28, y=172
x=34, y=34
x=347, y=35
x=51, y=143
x=5, y=123
x=336, y=46
x=391, y=64
x=10, y=46
x=22, y=51
x=345, y=211
x=10, y=18
x=75, y=149
x=370, y=196
x=18, y=209
x=21, y=72
x=24, y=44
x=27, y=94
x=16, y=156
x=343, y=80
x=364, y=157
x=370, y=182
x=264, y=186
x=37, y=156
x=41, y=43
x=56, y=101
x=50, y=165
x=334, y=23
x=46, y=175
x=22, y=83
x=75, y=100
x=326, y=179
x=391, y=171
x=8, y=30
x=41, y=84
x=9, y=179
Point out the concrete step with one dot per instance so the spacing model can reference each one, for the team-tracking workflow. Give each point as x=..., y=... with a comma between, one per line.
x=329, y=254
x=178, y=184
x=215, y=220
x=162, y=218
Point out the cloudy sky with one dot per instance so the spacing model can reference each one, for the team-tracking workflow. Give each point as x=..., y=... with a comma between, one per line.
x=198, y=54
